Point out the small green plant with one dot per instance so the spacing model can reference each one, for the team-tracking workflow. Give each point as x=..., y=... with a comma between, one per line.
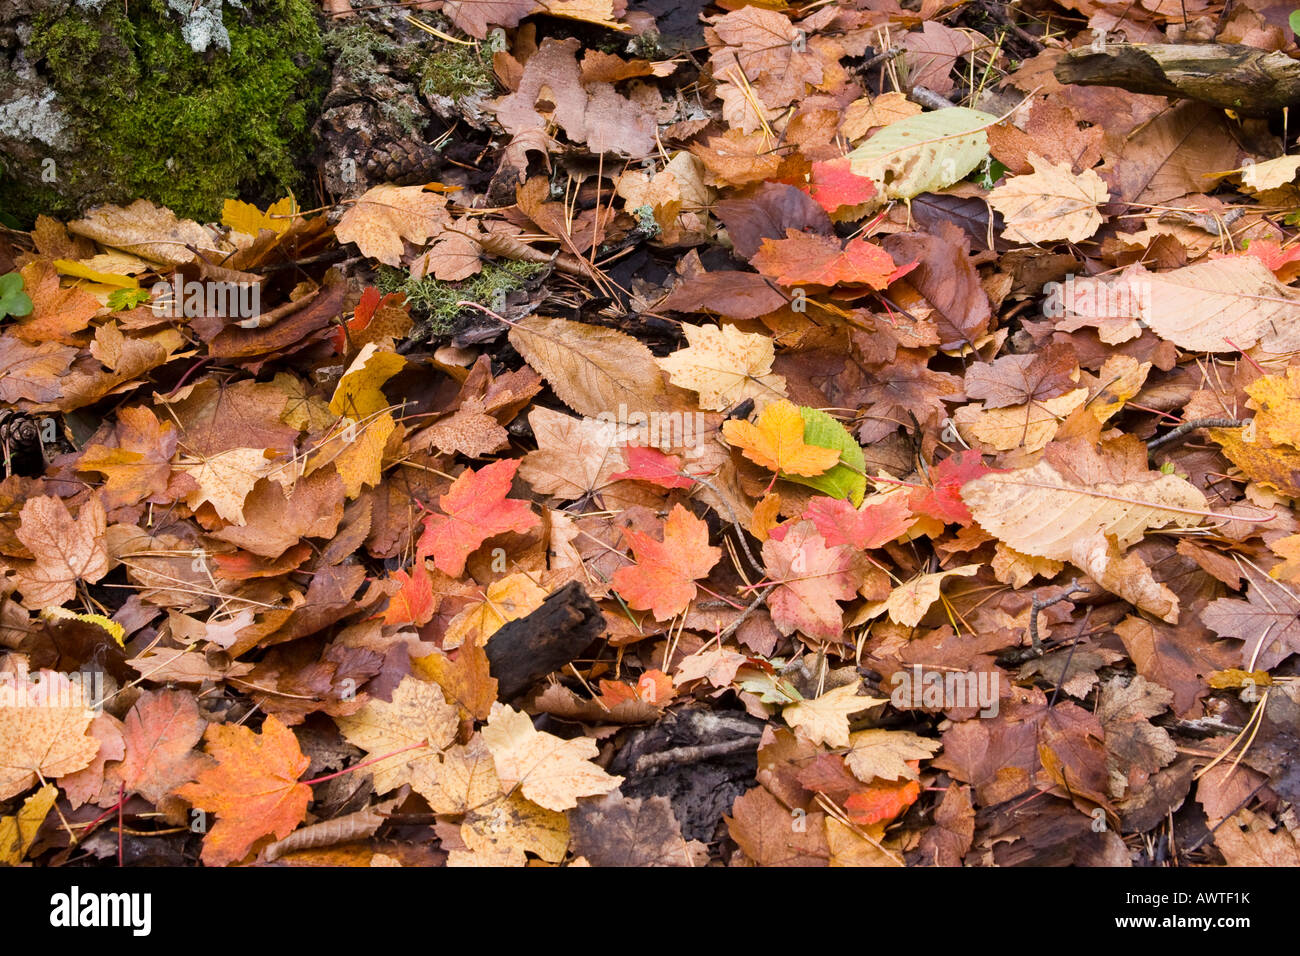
x=13, y=300
x=120, y=299
x=989, y=172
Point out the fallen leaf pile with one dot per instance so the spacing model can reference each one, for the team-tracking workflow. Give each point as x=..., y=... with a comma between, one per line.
x=919, y=481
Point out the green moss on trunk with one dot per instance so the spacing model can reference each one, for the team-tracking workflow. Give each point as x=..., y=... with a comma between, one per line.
x=152, y=118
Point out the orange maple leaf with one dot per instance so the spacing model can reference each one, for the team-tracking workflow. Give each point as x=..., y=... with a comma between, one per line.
x=138, y=463
x=882, y=801
x=653, y=687
x=663, y=579
x=414, y=602
x=804, y=258
x=58, y=314
x=776, y=442
x=475, y=508
x=253, y=788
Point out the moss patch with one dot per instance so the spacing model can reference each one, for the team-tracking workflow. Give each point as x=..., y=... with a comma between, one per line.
x=453, y=70
x=433, y=302
x=155, y=119
x=457, y=71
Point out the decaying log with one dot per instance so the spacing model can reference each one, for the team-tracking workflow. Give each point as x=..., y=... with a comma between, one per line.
x=1240, y=78
x=526, y=650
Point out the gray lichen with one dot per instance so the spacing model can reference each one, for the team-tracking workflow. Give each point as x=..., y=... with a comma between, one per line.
x=201, y=25
x=32, y=116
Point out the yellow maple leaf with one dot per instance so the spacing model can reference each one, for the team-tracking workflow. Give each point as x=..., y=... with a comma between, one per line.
x=506, y=600
x=776, y=442
x=1278, y=401
x=358, y=392
x=417, y=714
x=725, y=366
x=18, y=832
x=248, y=219
x=825, y=719
x=550, y=771
x=357, y=452
x=512, y=823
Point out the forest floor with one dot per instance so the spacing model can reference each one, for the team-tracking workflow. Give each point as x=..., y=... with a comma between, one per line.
x=670, y=434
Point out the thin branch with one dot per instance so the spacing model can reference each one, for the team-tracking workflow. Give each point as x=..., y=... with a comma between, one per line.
x=1071, y=589
x=753, y=606
x=1186, y=428
x=735, y=522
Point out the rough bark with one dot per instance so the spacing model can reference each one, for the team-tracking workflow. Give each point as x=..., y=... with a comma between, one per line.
x=524, y=651
x=1240, y=78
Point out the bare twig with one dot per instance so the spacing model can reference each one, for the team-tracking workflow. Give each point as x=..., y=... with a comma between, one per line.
x=689, y=755
x=930, y=99
x=1071, y=589
x=1065, y=671
x=754, y=605
x=735, y=522
x=1187, y=428
x=994, y=9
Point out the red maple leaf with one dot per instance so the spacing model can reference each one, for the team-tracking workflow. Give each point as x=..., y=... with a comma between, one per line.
x=1284, y=263
x=835, y=184
x=652, y=465
x=370, y=303
x=663, y=579
x=871, y=527
x=803, y=258
x=942, y=498
x=475, y=508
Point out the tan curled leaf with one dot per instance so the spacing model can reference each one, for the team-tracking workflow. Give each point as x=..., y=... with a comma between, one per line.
x=593, y=370
x=385, y=215
x=1127, y=577
x=910, y=601
x=147, y=230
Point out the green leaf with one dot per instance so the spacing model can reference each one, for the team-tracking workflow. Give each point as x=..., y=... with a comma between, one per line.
x=925, y=152
x=1295, y=22
x=120, y=299
x=845, y=480
x=13, y=300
